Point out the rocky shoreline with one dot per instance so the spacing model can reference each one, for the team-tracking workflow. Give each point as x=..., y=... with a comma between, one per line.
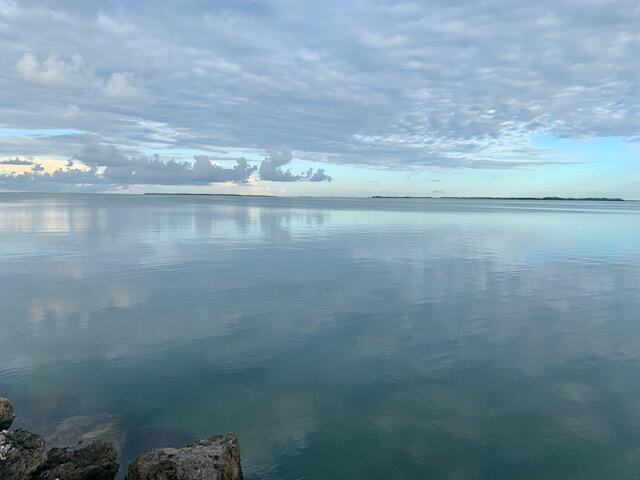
x=23, y=456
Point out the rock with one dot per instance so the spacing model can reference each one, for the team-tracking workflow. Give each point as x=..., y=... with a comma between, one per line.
x=82, y=430
x=21, y=454
x=215, y=458
x=96, y=461
x=7, y=414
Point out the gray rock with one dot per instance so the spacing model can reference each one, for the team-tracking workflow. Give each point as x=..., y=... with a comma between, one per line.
x=215, y=458
x=82, y=430
x=6, y=413
x=96, y=461
x=21, y=454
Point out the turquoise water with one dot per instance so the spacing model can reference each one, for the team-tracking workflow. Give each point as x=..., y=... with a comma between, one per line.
x=359, y=339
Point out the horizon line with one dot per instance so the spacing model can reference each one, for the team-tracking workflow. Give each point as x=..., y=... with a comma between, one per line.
x=370, y=197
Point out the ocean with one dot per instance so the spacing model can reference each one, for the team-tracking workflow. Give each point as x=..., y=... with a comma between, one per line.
x=338, y=338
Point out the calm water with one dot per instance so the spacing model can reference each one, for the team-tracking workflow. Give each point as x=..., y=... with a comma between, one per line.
x=359, y=339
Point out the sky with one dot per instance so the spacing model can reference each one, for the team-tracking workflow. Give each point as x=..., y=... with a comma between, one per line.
x=331, y=98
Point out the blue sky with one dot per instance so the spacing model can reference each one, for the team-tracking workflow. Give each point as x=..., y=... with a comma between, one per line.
x=490, y=97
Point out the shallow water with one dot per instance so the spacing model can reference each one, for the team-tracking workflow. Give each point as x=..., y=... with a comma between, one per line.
x=339, y=338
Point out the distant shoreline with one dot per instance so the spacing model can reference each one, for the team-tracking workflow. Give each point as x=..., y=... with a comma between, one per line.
x=397, y=197
x=578, y=199
x=583, y=199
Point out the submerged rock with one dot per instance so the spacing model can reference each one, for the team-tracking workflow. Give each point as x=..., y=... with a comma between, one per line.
x=7, y=415
x=21, y=454
x=96, y=461
x=42, y=413
x=215, y=458
x=82, y=430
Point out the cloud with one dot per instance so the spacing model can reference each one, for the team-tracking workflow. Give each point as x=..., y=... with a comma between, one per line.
x=111, y=166
x=122, y=85
x=51, y=71
x=271, y=169
x=318, y=176
x=98, y=166
x=56, y=71
x=70, y=112
x=16, y=162
x=96, y=154
x=407, y=85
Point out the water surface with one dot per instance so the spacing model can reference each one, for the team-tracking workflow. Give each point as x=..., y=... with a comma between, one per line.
x=360, y=339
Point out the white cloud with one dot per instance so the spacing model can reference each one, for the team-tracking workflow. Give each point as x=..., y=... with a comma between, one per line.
x=51, y=71
x=122, y=85
x=55, y=71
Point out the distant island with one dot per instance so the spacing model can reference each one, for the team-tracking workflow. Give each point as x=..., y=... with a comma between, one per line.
x=584, y=199
x=581, y=199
